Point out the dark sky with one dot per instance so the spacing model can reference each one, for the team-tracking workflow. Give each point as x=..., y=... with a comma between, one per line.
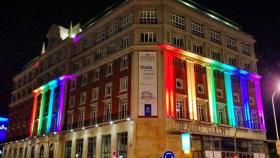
x=23, y=27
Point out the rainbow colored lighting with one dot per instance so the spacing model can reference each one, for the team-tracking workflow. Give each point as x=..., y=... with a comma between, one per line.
x=34, y=109
x=170, y=52
x=229, y=97
x=60, y=104
x=52, y=85
x=42, y=109
x=212, y=95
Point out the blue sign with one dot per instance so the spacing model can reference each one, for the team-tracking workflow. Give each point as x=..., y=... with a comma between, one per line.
x=168, y=154
x=148, y=110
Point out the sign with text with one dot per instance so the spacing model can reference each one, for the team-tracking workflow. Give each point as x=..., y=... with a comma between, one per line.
x=147, y=84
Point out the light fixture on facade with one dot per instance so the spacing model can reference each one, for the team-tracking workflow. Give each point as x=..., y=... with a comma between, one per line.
x=83, y=128
x=96, y=125
x=111, y=122
x=71, y=130
x=128, y=119
x=54, y=133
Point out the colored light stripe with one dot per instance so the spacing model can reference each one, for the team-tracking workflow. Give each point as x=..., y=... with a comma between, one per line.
x=3, y=119
x=172, y=90
x=259, y=103
x=212, y=95
x=166, y=81
x=229, y=97
x=34, y=110
x=60, y=105
x=191, y=91
x=245, y=101
x=186, y=142
x=42, y=109
x=52, y=85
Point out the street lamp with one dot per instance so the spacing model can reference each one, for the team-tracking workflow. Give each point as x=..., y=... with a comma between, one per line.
x=275, y=121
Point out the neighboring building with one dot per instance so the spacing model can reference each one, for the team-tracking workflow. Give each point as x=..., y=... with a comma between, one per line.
x=135, y=82
x=3, y=133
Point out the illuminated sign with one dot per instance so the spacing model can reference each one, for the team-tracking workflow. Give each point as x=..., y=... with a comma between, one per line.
x=186, y=142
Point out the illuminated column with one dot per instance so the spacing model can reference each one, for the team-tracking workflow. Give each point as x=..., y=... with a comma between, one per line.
x=169, y=83
x=61, y=102
x=245, y=101
x=52, y=85
x=191, y=90
x=259, y=102
x=212, y=94
x=42, y=108
x=34, y=109
x=229, y=97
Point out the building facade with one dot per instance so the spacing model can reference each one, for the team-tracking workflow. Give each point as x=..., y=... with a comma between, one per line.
x=133, y=82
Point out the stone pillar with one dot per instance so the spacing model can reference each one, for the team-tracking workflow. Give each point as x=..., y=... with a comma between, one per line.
x=61, y=103
x=229, y=97
x=51, y=102
x=34, y=109
x=191, y=90
x=245, y=102
x=42, y=110
x=212, y=94
x=259, y=103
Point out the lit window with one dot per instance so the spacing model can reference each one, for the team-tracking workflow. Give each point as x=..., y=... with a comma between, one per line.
x=148, y=37
x=148, y=17
x=123, y=84
x=108, y=89
x=122, y=141
x=177, y=21
x=83, y=98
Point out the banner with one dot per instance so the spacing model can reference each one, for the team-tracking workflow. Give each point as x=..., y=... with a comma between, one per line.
x=147, y=84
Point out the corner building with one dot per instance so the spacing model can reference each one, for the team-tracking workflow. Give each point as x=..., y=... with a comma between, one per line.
x=132, y=81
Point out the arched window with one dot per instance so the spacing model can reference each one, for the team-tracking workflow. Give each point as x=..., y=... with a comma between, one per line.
x=51, y=151
x=33, y=152
x=41, y=154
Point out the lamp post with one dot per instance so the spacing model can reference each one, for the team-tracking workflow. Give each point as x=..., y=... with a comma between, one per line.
x=275, y=121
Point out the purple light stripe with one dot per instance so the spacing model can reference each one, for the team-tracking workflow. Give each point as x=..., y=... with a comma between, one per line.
x=259, y=103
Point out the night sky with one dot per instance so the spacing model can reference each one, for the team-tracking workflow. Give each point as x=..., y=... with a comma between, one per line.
x=23, y=28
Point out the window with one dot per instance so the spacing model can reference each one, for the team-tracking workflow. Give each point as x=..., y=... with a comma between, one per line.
x=197, y=29
x=73, y=84
x=111, y=48
x=108, y=89
x=87, y=61
x=106, y=146
x=79, y=148
x=109, y=70
x=126, y=22
x=179, y=83
x=125, y=41
x=219, y=93
x=246, y=65
x=236, y=97
x=231, y=43
x=177, y=41
x=148, y=37
x=95, y=93
x=91, y=147
x=107, y=112
x=84, y=80
x=83, y=98
x=180, y=110
x=148, y=17
x=112, y=29
x=215, y=36
x=216, y=55
x=51, y=151
x=122, y=140
x=20, y=152
x=200, y=88
x=100, y=37
x=222, y=114
x=32, y=152
x=72, y=101
x=123, y=109
x=81, y=119
x=255, y=120
x=124, y=63
x=202, y=112
x=177, y=21
x=245, y=48
x=70, y=120
x=232, y=61
x=94, y=115
x=198, y=49
x=41, y=154
x=123, y=84
x=251, y=101
x=98, y=55
x=238, y=117
x=89, y=43
x=96, y=74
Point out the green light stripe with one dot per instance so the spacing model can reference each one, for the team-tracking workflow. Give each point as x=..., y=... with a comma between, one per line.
x=212, y=95
x=41, y=114
x=229, y=97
